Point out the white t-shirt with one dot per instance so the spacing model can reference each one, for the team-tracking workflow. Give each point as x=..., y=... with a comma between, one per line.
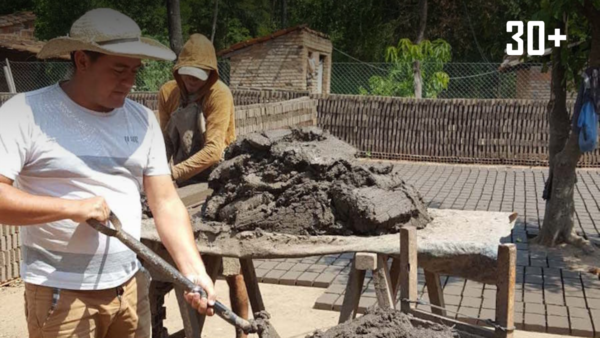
x=51, y=146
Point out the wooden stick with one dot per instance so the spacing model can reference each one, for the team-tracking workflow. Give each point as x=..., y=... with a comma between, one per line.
x=505, y=296
x=383, y=288
x=408, y=267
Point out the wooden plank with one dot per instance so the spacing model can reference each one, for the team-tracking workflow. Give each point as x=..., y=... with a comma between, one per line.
x=408, y=267
x=436, y=294
x=505, y=295
x=395, y=276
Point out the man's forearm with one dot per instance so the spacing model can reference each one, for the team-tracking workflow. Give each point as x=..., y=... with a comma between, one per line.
x=20, y=208
x=173, y=225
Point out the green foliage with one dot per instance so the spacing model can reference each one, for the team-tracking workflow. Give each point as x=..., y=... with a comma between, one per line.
x=153, y=75
x=12, y=6
x=400, y=79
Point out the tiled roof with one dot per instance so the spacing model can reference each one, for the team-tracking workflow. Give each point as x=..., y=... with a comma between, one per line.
x=16, y=18
x=23, y=44
x=248, y=43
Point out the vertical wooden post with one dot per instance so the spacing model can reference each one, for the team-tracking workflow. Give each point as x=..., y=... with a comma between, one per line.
x=408, y=267
x=254, y=295
x=505, y=296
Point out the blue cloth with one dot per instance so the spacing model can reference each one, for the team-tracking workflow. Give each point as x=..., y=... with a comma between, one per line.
x=588, y=127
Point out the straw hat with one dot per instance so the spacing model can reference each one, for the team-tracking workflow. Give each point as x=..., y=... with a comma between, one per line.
x=107, y=31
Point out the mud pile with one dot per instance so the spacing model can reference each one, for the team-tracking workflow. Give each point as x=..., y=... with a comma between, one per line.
x=385, y=324
x=307, y=182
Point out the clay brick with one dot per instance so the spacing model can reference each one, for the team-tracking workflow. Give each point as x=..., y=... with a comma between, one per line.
x=466, y=312
x=289, y=277
x=471, y=302
x=311, y=260
x=366, y=303
x=575, y=302
x=273, y=276
x=324, y=280
x=3, y=277
x=336, y=288
x=337, y=305
x=472, y=291
x=486, y=314
x=533, y=298
x=575, y=312
x=260, y=274
x=284, y=266
x=581, y=327
x=519, y=320
x=316, y=268
x=557, y=311
x=594, y=303
x=596, y=321
x=452, y=300
x=534, y=322
x=269, y=265
x=306, y=278
x=453, y=290
x=534, y=308
x=299, y=267
x=554, y=299
x=326, y=301
x=558, y=325
x=488, y=303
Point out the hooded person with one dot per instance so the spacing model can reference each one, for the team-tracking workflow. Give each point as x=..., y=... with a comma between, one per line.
x=196, y=112
x=197, y=118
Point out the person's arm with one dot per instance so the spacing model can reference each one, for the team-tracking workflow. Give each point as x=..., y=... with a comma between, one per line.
x=217, y=122
x=20, y=208
x=175, y=230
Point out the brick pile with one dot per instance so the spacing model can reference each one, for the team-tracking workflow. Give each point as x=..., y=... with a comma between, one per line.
x=10, y=252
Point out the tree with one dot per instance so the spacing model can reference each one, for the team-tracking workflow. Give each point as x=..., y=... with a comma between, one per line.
x=420, y=37
x=400, y=80
x=175, y=35
x=584, y=16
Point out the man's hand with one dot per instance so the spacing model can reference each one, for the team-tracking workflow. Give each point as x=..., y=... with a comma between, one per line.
x=202, y=305
x=90, y=208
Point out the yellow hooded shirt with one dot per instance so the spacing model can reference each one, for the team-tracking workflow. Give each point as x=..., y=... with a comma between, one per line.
x=214, y=98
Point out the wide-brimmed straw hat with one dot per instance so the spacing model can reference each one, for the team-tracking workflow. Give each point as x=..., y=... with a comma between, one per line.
x=107, y=31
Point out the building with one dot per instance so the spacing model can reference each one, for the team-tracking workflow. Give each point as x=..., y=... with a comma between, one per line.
x=19, y=46
x=296, y=58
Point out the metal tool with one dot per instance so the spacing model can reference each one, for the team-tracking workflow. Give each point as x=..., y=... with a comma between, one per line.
x=259, y=325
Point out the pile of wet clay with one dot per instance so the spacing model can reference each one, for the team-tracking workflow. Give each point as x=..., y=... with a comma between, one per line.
x=385, y=324
x=307, y=182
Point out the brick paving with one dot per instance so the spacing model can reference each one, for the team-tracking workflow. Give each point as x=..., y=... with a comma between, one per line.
x=549, y=297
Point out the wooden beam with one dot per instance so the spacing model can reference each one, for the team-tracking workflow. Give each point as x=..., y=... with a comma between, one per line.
x=408, y=267
x=254, y=295
x=460, y=326
x=505, y=295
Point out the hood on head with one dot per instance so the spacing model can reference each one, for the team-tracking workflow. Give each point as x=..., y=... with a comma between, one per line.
x=197, y=52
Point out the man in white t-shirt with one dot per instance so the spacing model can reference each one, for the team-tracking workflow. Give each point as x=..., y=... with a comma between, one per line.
x=76, y=151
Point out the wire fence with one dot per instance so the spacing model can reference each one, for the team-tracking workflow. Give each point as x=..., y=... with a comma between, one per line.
x=465, y=80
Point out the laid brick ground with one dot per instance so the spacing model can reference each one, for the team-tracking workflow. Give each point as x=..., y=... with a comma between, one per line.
x=549, y=297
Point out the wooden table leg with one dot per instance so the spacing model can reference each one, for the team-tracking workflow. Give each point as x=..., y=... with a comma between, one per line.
x=193, y=322
x=352, y=294
x=505, y=296
x=408, y=267
x=382, y=283
x=434, y=289
x=254, y=295
x=395, y=275
x=158, y=311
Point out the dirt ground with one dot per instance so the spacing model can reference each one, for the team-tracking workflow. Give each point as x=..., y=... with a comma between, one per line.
x=290, y=307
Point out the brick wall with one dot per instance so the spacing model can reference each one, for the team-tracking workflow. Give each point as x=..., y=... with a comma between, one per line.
x=318, y=47
x=10, y=252
x=277, y=63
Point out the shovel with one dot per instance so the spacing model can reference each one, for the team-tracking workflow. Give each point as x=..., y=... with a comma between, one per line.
x=260, y=325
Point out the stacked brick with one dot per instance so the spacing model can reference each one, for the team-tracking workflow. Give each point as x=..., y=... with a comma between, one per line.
x=277, y=115
x=501, y=132
x=10, y=253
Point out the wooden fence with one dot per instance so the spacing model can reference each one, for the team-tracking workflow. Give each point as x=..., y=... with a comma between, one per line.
x=514, y=132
